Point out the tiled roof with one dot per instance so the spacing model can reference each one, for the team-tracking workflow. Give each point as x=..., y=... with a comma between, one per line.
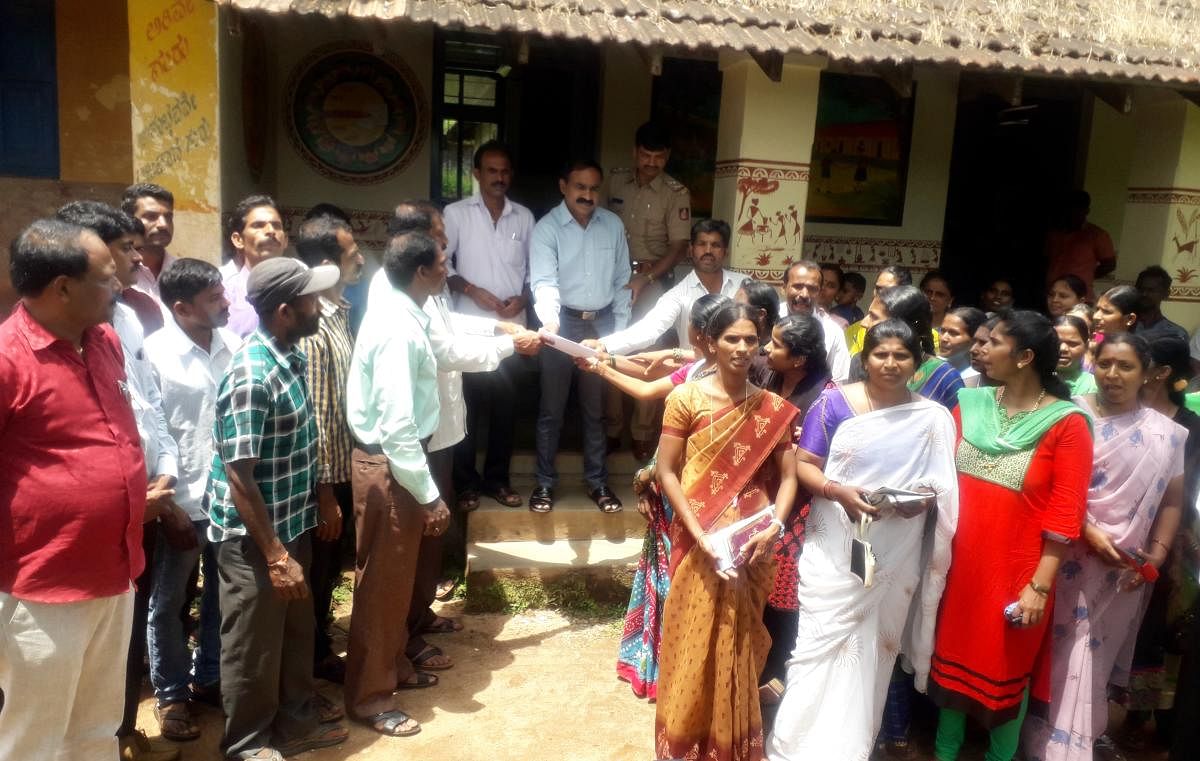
x=1130, y=40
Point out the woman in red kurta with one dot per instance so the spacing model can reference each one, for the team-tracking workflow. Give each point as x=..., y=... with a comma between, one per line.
x=1024, y=459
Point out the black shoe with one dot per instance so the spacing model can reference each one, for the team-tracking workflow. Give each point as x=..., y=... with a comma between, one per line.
x=542, y=499
x=613, y=444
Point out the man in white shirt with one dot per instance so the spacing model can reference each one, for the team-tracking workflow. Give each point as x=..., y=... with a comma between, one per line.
x=488, y=242
x=709, y=248
x=154, y=205
x=189, y=356
x=802, y=287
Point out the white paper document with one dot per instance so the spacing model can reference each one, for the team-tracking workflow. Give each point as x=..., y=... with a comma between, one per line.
x=566, y=346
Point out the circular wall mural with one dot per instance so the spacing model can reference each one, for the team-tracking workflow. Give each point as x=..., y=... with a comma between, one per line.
x=355, y=116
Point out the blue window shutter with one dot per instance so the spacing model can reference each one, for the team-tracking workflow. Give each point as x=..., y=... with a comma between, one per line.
x=28, y=95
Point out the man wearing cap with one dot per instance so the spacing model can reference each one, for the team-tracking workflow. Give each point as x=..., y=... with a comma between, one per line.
x=262, y=510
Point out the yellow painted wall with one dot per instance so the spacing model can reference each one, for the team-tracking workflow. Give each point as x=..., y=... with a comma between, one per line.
x=1162, y=210
x=1106, y=176
x=928, y=165
x=176, y=126
x=92, y=51
x=624, y=104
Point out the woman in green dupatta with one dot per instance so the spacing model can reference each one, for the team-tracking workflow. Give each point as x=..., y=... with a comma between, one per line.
x=1073, y=337
x=1024, y=460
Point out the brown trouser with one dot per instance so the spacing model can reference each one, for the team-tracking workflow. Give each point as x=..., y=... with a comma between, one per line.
x=389, y=524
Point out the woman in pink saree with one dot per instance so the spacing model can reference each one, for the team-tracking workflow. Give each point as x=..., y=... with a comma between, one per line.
x=1133, y=512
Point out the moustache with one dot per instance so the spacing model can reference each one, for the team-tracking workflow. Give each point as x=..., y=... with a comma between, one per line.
x=584, y=202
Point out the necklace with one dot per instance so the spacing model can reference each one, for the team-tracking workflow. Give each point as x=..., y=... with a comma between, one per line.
x=1036, y=402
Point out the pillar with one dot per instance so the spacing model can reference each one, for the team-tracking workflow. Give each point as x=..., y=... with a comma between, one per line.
x=764, y=144
x=1162, y=207
x=174, y=87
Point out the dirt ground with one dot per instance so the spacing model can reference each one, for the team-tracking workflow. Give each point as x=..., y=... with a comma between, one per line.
x=524, y=687
x=533, y=686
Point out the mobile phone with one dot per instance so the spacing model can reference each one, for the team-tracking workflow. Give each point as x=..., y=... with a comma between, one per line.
x=1139, y=564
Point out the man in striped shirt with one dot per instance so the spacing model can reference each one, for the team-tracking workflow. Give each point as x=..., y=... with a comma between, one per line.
x=261, y=509
x=327, y=240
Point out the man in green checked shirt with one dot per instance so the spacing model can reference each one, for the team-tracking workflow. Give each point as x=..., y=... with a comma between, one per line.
x=262, y=508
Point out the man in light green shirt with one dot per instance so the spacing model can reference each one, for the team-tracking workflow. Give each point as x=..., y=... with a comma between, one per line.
x=392, y=409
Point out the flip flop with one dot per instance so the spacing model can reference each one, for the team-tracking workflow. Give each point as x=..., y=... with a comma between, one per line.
x=443, y=625
x=390, y=722
x=421, y=661
x=423, y=680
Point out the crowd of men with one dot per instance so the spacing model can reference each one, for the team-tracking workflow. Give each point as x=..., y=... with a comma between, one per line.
x=185, y=431
x=175, y=430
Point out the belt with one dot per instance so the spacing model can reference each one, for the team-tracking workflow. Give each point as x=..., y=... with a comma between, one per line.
x=593, y=314
x=376, y=450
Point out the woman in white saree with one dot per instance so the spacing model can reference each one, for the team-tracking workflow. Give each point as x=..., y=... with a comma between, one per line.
x=857, y=438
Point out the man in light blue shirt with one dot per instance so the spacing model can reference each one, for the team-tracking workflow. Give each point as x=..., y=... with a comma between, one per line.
x=579, y=267
x=392, y=409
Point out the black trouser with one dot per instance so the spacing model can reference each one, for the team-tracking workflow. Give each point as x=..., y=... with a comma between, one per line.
x=135, y=661
x=1187, y=698
x=782, y=625
x=491, y=399
x=429, y=559
x=267, y=686
x=326, y=571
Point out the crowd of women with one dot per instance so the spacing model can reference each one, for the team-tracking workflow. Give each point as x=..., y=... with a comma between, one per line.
x=994, y=512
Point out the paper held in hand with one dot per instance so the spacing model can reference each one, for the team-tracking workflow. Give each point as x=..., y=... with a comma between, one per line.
x=566, y=346
x=729, y=542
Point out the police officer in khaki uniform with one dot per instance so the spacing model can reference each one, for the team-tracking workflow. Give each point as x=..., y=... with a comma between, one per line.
x=657, y=212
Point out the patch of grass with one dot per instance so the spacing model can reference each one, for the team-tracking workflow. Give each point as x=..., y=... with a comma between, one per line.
x=568, y=595
x=506, y=596
x=343, y=593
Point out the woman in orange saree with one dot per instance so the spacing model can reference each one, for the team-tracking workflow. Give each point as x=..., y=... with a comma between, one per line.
x=725, y=454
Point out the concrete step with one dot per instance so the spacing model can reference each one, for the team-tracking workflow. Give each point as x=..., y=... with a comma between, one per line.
x=621, y=465
x=574, y=518
x=573, y=539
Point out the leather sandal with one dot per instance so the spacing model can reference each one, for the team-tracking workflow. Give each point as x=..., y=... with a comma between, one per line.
x=325, y=736
x=605, y=499
x=542, y=499
x=176, y=723
x=505, y=496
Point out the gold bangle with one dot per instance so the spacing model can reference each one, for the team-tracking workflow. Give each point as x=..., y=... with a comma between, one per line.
x=677, y=354
x=280, y=562
x=1160, y=544
x=1041, y=590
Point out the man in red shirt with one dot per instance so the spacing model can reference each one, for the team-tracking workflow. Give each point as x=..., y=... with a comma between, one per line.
x=1078, y=247
x=72, y=501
